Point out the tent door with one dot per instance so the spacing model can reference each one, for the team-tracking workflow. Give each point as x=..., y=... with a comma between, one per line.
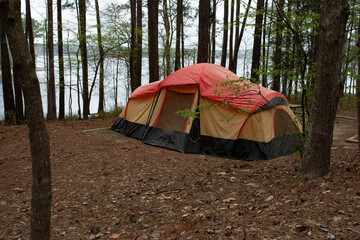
x=174, y=102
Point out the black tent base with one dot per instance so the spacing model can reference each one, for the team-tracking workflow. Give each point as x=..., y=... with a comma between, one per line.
x=195, y=143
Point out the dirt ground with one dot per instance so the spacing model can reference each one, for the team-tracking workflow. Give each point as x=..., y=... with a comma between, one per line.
x=106, y=186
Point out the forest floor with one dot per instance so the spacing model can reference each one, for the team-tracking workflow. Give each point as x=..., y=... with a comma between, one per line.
x=107, y=186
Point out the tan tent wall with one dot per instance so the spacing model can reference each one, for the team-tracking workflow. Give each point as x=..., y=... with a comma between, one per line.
x=260, y=126
x=213, y=122
x=157, y=108
x=138, y=109
x=293, y=117
x=122, y=114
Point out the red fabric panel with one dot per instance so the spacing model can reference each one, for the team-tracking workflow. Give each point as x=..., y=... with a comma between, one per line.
x=209, y=77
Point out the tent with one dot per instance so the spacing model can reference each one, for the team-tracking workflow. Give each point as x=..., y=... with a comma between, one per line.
x=226, y=116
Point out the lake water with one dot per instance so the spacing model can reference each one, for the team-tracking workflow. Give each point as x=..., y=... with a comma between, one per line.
x=71, y=105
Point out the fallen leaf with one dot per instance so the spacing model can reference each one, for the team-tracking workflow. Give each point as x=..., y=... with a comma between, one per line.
x=18, y=190
x=114, y=236
x=330, y=236
x=165, y=197
x=252, y=184
x=269, y=198
x=336, y=219
x=227, y=200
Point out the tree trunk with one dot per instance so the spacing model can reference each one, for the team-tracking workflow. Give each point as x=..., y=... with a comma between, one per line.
x=264, y=79
x=78, y=83
x=116, y=83
x=29, y=30
x=167, y=50
x=256, y=55
x=288, y=67
x=316, y=158
x=233, y=62
x=213, y=33
x=225, y=33
x=237, y=21
x=70, y=75
x=182, y=43
x=231, y=40
x=358, y=84
x=278, y=52
x=84, y=61
x=138, y=43
x=267, y=54
x=153, y=23
x=8, y=92
x=102, y=58
x=61, y=63
x=97, y=66
x=133, y=45
x=19, y=105
x=51, y=97
x=292, y=71
x=237, y=30
x=178, y=33
x=39, y=139
x=203, y=40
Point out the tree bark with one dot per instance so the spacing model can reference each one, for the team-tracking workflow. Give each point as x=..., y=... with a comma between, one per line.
x=167, y=50
x=204, y=37
x=225, y=33
x=51, y=97
x=182, y=43
x=256, y=55
x=285, y=81
x=78, y=92
x=61, y=63
x=358, y=84
x=84, y=60
x=278, y=52
x=231, y=40
x=138, y=43
x=237, y=31
x=70, y=75
x=178, y=33
x=29, y=30
x=213, y=33
x=316, y=158
x=39, y=139
x=153, y=23
x=19, y=105
x=102, y=58
x=133, y=45
x=8, y=92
